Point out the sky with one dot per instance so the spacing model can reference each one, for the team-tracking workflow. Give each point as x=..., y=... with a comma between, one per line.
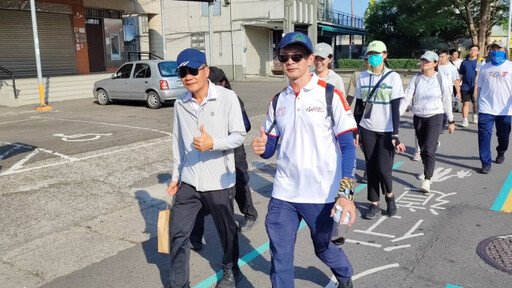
x=344, y=6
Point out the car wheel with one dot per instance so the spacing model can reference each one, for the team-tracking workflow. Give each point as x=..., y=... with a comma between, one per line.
x=103, y=97
x=153, y=100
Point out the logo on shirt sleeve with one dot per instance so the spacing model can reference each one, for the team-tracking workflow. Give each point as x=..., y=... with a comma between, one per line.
x=280, y=111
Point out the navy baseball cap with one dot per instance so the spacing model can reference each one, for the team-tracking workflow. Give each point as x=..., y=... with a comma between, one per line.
x=297, y=38
x=192, y=58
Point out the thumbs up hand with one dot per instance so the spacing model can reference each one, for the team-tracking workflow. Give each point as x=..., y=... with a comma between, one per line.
x=258, y=144
x=203, y=142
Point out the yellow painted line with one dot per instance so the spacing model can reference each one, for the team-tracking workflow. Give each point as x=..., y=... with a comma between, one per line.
x=507, y=206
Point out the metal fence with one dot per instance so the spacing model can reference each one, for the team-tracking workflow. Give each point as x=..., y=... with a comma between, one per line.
x=340, y=18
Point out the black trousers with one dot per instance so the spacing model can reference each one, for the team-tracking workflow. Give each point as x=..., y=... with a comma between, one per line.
x=243, y=192
x=379, y=154
x=186, y=206
x=427, y=131
x=242, y=196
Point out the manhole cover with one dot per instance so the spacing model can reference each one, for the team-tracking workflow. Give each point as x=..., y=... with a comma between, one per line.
x=497, y=252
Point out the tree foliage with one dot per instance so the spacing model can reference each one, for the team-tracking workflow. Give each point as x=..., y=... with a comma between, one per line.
x=409, y=26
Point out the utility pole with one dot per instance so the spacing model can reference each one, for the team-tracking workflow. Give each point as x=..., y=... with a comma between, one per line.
x=42, y=106
x=162, y=15
x=508, y=27
x=210, y=29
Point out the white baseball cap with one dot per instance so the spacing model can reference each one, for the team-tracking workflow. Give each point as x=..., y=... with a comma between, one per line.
x=323, y=50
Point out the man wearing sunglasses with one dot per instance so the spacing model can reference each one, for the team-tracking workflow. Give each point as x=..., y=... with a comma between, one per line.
x=309, y=165
x=208, y=126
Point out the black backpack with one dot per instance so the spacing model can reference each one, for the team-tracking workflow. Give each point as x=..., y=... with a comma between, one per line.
x=329, y=94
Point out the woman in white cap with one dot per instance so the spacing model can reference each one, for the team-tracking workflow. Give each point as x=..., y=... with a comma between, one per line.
x=377, y=112
x=428, y=97
x=323, y=67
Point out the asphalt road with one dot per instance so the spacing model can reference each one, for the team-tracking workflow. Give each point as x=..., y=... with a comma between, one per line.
x=81, y=188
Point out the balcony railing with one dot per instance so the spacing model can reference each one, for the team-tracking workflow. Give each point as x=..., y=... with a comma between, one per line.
x=340, y=18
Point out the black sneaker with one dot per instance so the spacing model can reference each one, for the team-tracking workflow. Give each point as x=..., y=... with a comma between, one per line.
x=227, y=281
x=347, y=284
x=391, y=205
x=247, y=225
x=500, y=158
x=372, y=212
x=486, y=169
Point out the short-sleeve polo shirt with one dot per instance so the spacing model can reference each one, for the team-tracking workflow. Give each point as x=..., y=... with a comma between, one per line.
x=308, y=159
x=389, y=89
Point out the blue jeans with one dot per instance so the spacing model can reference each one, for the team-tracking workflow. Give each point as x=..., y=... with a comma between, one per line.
x=485, y=126
x=282, y=223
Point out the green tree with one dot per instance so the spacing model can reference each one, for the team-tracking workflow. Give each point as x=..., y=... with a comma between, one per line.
x=480, y=17
x=405, y=25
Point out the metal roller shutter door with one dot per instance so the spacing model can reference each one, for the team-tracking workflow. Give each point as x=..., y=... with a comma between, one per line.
x=257, y=55
x=56, y=44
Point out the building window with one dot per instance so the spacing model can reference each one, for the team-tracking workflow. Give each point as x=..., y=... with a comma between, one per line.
x=197, y=41
x=216, y=8
x=115, y=47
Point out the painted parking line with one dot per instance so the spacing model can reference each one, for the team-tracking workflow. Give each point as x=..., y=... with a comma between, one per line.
x=263, y=248
x=504, y=200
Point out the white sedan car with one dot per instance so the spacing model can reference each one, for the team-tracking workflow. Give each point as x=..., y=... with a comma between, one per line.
x=153, y=81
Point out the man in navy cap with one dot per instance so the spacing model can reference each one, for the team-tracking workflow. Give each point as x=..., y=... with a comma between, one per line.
x=208, y=125
x=310, y=169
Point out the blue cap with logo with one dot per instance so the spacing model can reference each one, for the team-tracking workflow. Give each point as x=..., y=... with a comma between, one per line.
x=296, y=38
x=192, y=58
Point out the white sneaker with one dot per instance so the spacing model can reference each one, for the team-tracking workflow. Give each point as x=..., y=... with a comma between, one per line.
x=475, y=118
x=416, y=157
x=437, y=146
x=420, y=176
x=465, y=122
x=425, y=186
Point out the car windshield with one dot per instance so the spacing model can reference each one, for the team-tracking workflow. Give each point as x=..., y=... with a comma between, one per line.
x=168, y=69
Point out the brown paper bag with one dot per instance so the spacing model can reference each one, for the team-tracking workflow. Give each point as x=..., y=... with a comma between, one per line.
x=164, y=242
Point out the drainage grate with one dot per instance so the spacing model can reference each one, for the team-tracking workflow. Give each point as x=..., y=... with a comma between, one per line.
x=497, y=252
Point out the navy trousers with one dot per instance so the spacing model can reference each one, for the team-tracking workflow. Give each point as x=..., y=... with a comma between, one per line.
x=282, y=223
x=485, y=126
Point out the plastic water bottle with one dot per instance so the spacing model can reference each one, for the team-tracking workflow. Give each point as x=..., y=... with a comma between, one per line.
x=339, y=230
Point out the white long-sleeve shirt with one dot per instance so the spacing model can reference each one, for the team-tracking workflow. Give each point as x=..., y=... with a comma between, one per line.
x=427, y=96
x=221, y=116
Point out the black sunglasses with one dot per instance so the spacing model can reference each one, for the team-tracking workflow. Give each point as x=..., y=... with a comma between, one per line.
x=295, y=58
x=185, y=70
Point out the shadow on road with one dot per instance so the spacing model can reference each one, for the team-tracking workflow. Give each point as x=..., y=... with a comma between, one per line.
x=149, y=208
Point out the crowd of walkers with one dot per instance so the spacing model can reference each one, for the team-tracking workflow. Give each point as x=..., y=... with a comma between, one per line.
x=315, y=131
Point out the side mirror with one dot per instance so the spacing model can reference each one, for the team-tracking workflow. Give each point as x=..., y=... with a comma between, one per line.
x=113, y=76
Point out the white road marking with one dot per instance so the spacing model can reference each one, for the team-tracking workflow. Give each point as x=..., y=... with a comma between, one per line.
x=387, y=249
x=81, y=137
x=334, y=282
x=434, y=212
x=16, y=167
x=374, y=270
x=363, y=243
x=107, y=124
x=20, y=163
x=72, y=159
x=3, y=123
x=370, y=230
x=409, y=233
